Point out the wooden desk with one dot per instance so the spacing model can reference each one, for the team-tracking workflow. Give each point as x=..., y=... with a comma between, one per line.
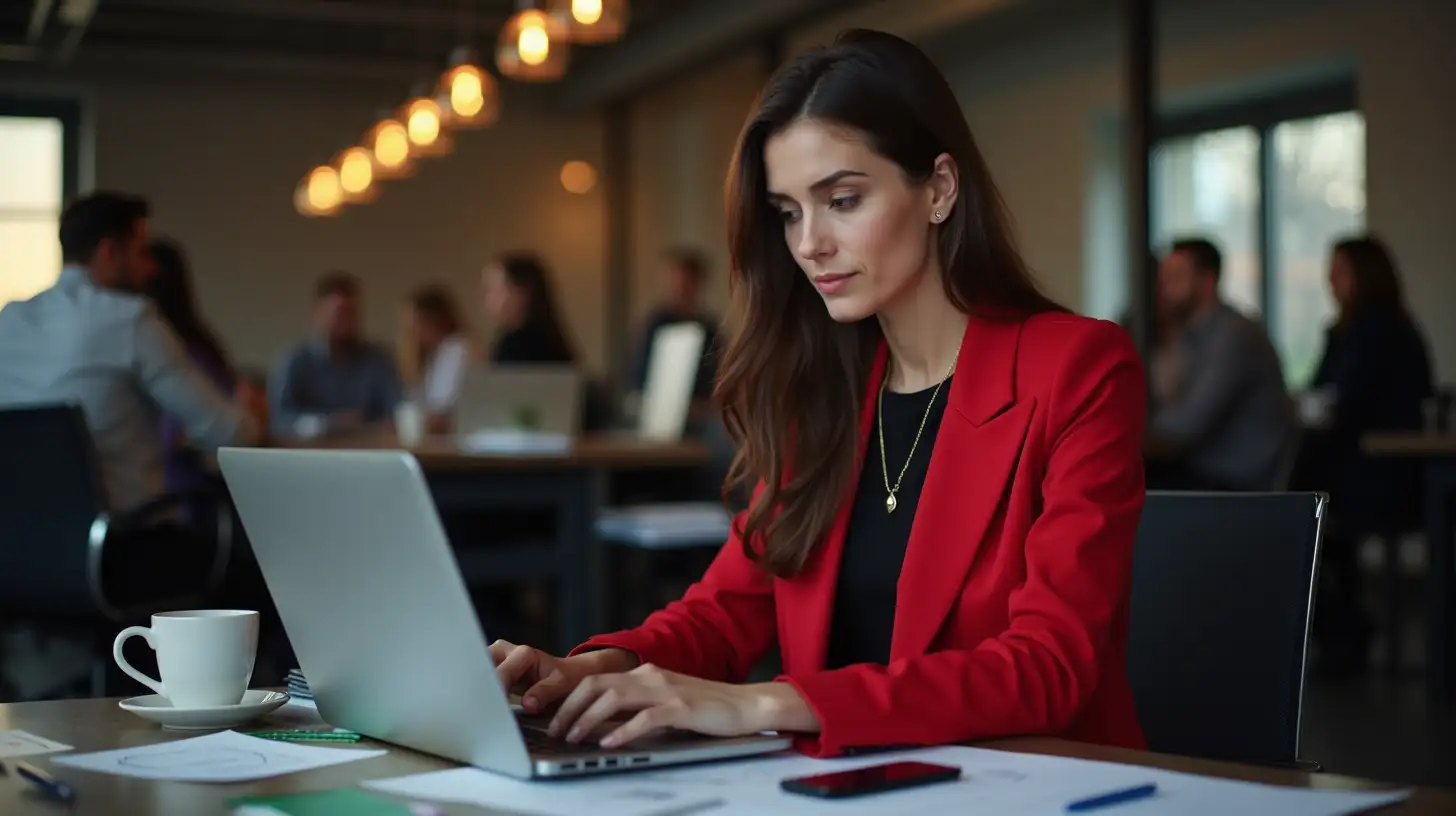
x=609, y=452
x=1437, y=454
x=96, y=725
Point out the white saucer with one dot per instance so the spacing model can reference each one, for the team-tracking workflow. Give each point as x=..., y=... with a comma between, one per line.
x=159, y=709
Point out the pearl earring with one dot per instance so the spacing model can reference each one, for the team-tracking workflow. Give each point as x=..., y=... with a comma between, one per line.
x=938, y=216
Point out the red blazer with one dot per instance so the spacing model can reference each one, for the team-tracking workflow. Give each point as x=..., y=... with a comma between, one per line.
x=1013, y=607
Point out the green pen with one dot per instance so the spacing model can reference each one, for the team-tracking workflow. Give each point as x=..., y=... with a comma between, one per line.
x=308, y=736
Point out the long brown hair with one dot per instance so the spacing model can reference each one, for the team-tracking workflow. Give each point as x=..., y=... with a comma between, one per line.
x=1376, y=285
x=792, y=379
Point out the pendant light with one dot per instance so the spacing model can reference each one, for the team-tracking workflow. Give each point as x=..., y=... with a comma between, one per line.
x=590, y=22
x=532, y=47
x=389, y=145
x=355, y=166
x=467, y=95
x=424, y=124
x=319, y=194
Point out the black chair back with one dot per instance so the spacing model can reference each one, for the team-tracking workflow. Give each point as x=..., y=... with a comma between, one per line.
x=1222, y=598
x=52, y=511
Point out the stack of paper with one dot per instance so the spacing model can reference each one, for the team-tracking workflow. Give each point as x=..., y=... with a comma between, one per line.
x=226, y=756
x=992, y=782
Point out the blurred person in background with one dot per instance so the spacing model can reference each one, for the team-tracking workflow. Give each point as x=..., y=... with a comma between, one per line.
x=93, y=339
x=683, y=276
x=1373, y=376
x=336, y=380
x=1220, y=395
x=435, y=353
x=170, y=289
x=521, y=305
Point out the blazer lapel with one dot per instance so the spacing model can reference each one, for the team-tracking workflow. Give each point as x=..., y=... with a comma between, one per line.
x=975, y=452
x=806, y=603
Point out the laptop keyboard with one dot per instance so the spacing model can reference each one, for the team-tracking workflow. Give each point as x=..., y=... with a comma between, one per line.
x=541, y=743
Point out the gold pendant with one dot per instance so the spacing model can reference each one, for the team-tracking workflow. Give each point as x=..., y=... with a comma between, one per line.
x=890, y=503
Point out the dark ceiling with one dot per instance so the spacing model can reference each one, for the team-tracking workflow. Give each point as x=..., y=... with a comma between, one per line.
x=373, y=39
x=346, y=32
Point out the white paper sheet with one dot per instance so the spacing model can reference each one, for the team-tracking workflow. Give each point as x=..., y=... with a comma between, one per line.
x=992, y=782
x=24, y=743
x=226, y=756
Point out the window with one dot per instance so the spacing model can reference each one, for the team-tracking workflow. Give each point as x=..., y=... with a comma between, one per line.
x=1274, y=183
x=37, y=175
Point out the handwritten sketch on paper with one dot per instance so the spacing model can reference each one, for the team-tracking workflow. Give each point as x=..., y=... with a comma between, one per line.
x=226, y=756
x=24, y=743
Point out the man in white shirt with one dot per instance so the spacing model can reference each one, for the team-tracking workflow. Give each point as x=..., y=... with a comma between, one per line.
x=94, y=341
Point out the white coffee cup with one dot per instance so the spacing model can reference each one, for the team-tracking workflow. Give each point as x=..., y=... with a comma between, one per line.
x=205, y=655
x=409, y=423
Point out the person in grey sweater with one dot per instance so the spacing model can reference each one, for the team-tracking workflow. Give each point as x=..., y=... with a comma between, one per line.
x=1222, y=403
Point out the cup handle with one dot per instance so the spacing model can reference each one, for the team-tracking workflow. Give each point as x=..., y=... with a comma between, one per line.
x=145, y=633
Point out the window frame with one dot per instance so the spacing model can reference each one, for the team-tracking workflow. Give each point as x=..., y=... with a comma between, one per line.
x=68, y=111
x=1263, y=114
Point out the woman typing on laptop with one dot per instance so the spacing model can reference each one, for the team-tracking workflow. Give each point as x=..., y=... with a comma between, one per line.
x=948, y=465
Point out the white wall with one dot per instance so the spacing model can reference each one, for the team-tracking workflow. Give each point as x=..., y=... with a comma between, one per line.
x=683, y=136
x=219, y=156
x=1035, y=102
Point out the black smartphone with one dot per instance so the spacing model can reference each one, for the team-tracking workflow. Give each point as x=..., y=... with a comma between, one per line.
x=874, y=779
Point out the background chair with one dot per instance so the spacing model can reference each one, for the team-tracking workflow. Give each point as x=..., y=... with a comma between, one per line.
x=70, y=568
x=1222, y=596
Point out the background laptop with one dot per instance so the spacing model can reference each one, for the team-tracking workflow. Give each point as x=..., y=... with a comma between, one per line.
x=537, y=398
x=357, y=562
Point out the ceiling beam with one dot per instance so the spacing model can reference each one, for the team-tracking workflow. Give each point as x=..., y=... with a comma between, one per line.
x=106, y=55
x=339, y=12
x=698, y=34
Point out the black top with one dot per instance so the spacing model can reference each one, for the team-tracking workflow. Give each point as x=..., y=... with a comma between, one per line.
x=707, y=365
x=530, y=344
x=874, y=544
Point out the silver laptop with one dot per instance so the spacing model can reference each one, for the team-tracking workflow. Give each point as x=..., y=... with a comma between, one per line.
x=358, y=565
x=539, y=398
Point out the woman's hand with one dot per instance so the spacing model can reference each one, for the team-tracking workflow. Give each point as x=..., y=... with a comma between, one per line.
x=542, y=679
x=664, y=699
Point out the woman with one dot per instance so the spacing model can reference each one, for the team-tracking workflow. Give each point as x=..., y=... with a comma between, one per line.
x=1376, y=371
x=435, y=354
x=894, y=362
x=170, y=289
x=519, y=300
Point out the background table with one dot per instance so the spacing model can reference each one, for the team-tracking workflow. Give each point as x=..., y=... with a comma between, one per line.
x=1437, y=454
x=96, y=725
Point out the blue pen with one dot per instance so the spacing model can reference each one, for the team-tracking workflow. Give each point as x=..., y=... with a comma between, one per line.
x=1114, y=798
x=53, y=787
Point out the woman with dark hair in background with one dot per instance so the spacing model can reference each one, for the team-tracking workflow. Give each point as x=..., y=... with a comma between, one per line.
x=520, y=301
x=435, y=353
x=893, y=363
x=170, y=288
x=1374, y=375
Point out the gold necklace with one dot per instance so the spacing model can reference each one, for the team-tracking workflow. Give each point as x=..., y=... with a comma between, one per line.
x=890, y=502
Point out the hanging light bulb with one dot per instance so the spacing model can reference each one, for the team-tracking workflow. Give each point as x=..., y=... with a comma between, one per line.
x=389, y=145
x=425, y=127
x=590, y=21
x=319, y=193
x=355, y=166
x=467, y=95
x=532, y=47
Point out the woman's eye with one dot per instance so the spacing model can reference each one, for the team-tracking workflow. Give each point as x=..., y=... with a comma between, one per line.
x=844, y=202
x=789, y=216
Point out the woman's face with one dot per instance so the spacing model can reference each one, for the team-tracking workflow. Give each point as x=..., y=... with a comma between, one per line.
x=504, y=303
x=860, y=231
x=1342, y=279
x=423, y=332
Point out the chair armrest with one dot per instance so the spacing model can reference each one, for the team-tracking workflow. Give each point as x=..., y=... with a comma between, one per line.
x=155, y=510
x=150, y=513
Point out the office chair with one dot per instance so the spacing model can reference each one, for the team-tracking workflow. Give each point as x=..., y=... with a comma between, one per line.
x=67, y=565
x=1222, y=599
